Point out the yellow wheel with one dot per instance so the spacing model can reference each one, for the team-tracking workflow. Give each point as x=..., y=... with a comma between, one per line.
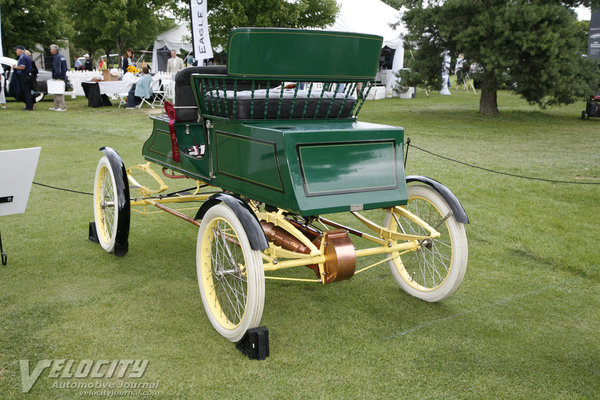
x=111, y=207
x=437, y=268
x=230, y=274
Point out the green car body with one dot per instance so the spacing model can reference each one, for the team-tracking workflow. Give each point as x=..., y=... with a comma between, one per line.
x=299, y=150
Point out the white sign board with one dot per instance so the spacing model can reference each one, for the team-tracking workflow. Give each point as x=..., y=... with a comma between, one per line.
x=199, y=15
x=56, y=86
x=17, y=169
x=594, y=36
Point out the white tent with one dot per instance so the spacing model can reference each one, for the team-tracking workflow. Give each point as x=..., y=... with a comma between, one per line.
x=374, y=17
x=178, y=38
x=370, y=16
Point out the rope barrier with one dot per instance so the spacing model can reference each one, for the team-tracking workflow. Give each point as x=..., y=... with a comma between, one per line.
x=63, y=189
x=408, y=143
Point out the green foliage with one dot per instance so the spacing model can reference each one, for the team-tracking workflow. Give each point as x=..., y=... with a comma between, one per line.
x=583, y=27
x=88, y=25
x=533, y=47
x=393, y=3
x=115, y=24
x=29, y=22
x=224, y=15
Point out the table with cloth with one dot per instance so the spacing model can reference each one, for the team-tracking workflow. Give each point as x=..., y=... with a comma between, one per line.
x=97, y=92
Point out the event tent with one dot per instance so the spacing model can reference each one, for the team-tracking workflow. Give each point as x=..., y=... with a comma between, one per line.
x=374, y=17
x=178, y=38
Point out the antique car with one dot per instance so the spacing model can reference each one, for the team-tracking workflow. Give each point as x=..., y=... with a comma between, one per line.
x=274, y=138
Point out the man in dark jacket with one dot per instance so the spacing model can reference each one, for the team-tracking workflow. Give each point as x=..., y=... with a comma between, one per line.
x=23, y=73
x=88, y=65
x=59, y=72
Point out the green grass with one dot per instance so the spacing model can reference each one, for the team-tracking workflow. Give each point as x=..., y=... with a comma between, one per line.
x=524, y=324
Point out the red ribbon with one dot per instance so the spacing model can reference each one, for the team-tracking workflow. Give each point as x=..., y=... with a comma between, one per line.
x=170, y=110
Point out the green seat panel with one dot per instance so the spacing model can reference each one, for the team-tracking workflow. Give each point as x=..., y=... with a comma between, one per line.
x=299, y=54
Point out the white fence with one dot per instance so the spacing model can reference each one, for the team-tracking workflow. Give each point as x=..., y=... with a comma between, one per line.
x=76, y=77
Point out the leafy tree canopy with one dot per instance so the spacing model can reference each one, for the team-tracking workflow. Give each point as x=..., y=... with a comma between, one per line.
x=530, y=46
x=116, y=24
x=224, y=15
x=29, y=22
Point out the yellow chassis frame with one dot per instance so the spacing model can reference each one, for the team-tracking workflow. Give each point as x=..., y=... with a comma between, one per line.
x=275, y=257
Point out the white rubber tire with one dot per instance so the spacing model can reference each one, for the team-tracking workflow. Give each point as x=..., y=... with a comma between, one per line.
x=230, y=274
x=435, y=271
x=106, y=213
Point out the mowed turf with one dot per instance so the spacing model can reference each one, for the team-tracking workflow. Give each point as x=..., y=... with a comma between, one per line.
x=524, y=324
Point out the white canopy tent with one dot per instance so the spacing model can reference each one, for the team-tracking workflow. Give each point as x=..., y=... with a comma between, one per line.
x=178, y=38
x=370, y=16
x=374, y=17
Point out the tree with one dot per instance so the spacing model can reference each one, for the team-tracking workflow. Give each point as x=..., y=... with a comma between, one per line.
x=529, y=46
x=584, y=29
x=116, y=24
x=31, y=22
x=397, y=4
x=224, y=15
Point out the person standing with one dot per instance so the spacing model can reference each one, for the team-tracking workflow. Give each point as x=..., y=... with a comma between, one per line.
x=34, y=74
x=77, y=64
x=189, y=60
x=460, y=72
x=174, y=63
x=59, y=72
x=23, y=70
x=128, y=60
x=2, y=97
x=87, y=64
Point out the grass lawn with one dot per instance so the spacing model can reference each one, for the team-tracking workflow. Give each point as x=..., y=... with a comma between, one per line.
x=524, y=324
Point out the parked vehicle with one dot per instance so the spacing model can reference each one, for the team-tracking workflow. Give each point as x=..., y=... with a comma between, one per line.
x=592, y=107
x=277, y=155
x=41, y=82
x=113, y=60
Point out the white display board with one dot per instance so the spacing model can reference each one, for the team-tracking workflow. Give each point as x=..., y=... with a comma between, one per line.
x=17, y=169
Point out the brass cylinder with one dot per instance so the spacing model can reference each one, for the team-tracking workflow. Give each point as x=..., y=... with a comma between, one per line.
x=339, y=251
x=340, y=256
x=282, y=238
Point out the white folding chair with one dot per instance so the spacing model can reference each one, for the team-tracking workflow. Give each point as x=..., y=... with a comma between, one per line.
x=147, y=101
x=123, y=96
x=122, y=99
x=169, y=88
x=159, y=93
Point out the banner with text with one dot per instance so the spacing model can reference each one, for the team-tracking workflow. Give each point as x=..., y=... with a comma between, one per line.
x=199, y=14
x=594, y=36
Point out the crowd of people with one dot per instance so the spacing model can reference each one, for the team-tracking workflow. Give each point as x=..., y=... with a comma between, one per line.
x=87, y=64
x=466, y=74
x=23, y=83
x=174, y=63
